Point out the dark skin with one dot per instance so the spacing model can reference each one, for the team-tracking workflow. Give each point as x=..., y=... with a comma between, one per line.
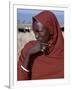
x=41, y=33
x=42, y=36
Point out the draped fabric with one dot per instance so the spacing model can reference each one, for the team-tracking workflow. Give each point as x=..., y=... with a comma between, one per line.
x=43, y=66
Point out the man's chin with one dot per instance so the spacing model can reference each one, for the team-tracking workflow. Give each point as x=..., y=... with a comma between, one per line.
x=39, y=41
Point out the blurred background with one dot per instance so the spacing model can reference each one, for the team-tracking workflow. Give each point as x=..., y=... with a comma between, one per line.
x=24, y=25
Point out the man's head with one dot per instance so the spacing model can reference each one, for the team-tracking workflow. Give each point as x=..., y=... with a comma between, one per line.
x=46, y=27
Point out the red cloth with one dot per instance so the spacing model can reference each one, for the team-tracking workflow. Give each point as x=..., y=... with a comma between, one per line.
x=43, y=66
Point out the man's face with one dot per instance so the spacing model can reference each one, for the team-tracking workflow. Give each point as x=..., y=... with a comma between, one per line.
x=41, y=33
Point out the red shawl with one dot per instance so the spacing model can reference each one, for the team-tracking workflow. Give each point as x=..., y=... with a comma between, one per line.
x=49, y=66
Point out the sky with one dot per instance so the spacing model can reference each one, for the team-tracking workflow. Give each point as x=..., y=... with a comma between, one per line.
x=25, y=15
